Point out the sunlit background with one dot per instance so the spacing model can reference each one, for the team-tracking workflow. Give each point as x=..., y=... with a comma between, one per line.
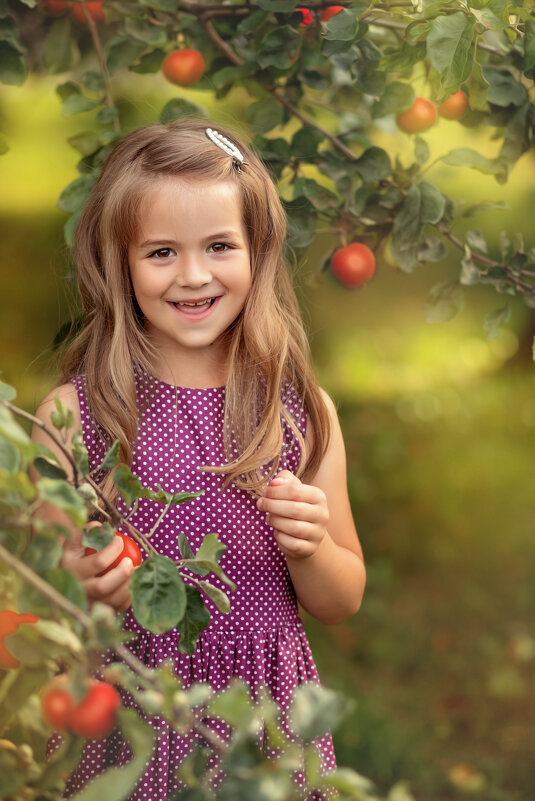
x=440, y=428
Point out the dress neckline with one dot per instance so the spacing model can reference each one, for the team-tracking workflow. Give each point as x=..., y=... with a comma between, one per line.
x=177, y=387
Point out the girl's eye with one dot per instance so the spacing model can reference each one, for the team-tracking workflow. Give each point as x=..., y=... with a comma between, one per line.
x=161, y=253
x=219, y=247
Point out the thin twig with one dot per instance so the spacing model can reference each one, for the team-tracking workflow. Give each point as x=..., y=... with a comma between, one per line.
x=102, y=62
x=237, y=61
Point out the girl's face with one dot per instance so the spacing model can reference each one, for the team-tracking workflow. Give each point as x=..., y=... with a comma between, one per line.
x=190, y=264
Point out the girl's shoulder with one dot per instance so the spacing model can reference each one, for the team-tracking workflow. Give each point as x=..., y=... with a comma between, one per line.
x=65, y=393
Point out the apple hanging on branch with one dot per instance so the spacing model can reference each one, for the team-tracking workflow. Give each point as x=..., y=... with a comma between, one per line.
x=353, y=265
x=454, y=107
x=419, y=117
x=183, y=67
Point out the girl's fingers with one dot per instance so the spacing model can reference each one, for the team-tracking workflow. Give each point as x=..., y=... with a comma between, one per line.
x=101, y=587
x=294, y=547
x=87, y=567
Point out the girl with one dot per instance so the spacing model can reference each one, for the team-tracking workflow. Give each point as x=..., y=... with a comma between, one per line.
x=193, y=355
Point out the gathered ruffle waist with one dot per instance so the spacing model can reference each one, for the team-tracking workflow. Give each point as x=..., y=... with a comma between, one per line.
x=278, y=658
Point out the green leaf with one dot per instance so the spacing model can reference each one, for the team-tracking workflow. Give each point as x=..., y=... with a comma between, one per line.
x=79, y=453
x=9, y=456
x=127, y=483
x=219, y=598
x=234, y=705
x=85, y=143
x=178, y=107
x=62, y=495
x=466, y=157
x=43, y=553
x=121, y=52
x=98, y=537
x=433, y=203
x=93, y=81
x=529, y=44
x=449, y=48
x=495, y=320
x=14, y=432
x=373, y=165
x=278, y=47
x=68, y=585
x=422, y=152
x=4, y=146
x=61, y=51
x=112, y=457
x=146, y=32
x=16, y=687
x=315, y=710
x=75, y=103
x=319, y=196
x=107, y=115
x=351, y=784
x=211, y=548
x=117, y=783
x=484, y=206
x=201, y=567
x=185, y=548
x=33, y=643
x=504, y=89
x=196, y=618
x=343, y=27
x=277, y=5
x=445, y=300
x=397, y=96
x=13, y=69
x=149, y=62
x=75, y=194
x=7, y=392
x=158, y=594
x=264, y=115
x=305, y=143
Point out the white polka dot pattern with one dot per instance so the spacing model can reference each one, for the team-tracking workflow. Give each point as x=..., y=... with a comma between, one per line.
x=262, y=640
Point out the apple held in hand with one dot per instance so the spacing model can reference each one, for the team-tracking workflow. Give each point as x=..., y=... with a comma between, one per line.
x=353, y=265
x=130, y=551
x=183, y=67
x=419, y=117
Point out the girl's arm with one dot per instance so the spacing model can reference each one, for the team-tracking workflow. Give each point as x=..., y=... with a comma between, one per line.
x=111, y=588
x=314, y=528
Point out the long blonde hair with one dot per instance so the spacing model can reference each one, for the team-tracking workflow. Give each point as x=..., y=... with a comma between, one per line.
x=267, y=345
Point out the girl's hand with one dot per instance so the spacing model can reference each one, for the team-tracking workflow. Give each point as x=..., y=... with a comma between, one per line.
x=297, y=512
x=111, y=588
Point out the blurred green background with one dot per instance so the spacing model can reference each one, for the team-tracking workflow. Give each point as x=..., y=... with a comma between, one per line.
x=439, y=425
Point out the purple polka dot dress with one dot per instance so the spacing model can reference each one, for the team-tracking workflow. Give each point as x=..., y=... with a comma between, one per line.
x=262, y=640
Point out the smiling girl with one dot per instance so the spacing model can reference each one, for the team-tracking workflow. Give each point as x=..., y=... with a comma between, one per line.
x=193, y=355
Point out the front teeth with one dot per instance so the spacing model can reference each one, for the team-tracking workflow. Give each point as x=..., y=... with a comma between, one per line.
x=199, y=303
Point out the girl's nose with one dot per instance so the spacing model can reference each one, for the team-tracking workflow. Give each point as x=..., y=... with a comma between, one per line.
x=193, y=271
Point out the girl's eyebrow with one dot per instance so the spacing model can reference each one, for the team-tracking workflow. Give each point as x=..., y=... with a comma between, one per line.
x=231, y=233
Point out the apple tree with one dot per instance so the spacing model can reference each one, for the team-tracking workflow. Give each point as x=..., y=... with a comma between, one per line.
x=321, y=80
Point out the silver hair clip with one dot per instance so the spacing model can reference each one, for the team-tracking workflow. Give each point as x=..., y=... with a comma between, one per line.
x=227, y=146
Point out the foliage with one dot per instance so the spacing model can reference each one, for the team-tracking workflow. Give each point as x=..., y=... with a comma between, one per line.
x=318, y=93
x=68, y=636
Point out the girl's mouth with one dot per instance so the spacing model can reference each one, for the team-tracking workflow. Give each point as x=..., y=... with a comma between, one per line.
x=193, y=307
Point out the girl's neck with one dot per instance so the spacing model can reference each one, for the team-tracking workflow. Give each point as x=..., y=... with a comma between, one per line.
x=195, y=372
